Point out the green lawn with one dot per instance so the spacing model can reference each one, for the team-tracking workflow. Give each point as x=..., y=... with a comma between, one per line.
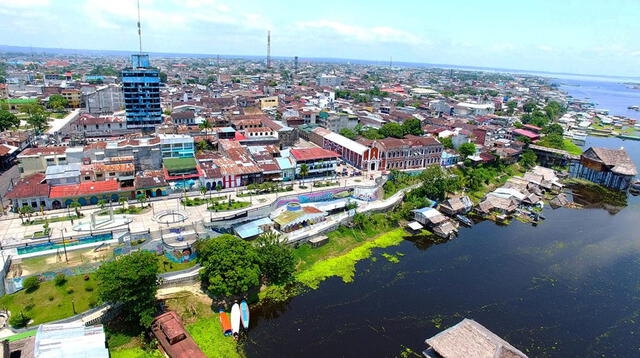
x=200, y=201
x=50, y=220
x=21, y=335
x=50, y=302
x=203, y=325
x=179, y=164
x=224, y=205
x=135, y=352
x=166, y=265
x=571, y=147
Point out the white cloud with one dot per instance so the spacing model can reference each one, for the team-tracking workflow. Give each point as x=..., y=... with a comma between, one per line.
x=545, y=48
x=23, y=3
x=364, y=34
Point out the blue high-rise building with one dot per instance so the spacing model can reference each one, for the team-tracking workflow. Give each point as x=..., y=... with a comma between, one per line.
x=141, y=88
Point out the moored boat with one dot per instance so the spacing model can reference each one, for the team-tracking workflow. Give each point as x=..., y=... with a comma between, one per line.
x=235, y=320
x=244, y=314
x=225, y=323
x=464, y=220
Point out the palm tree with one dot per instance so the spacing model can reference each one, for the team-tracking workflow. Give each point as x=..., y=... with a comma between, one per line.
x=122, y=201
x=269, y=238
x=75, y=205
x=102, y=203
x=304, y=171
x=25, y=210
x=203, y=191
x=141, y=199
x=206, y=125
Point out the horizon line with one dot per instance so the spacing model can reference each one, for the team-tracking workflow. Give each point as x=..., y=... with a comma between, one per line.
x=336, y=59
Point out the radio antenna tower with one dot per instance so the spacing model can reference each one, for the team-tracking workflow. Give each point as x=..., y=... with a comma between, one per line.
x=269, y=49
x=139, y=29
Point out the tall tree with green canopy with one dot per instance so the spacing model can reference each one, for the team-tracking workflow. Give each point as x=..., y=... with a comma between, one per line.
x=230, y=265
x=467, y=149
x=57, y=102
x=412, y=126
x=275, y=258
x=131, y=280
x=553, y=128
x=391, y=129
x=528, y=158
x=38, y=121
x=8, y=120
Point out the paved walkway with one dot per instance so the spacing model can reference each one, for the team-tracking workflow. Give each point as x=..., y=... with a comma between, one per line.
x=13, y=232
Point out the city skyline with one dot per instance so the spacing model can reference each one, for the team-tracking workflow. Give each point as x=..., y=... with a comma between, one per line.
x=587, y=39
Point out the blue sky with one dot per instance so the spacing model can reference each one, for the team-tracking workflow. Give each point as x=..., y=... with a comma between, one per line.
x=587, y=36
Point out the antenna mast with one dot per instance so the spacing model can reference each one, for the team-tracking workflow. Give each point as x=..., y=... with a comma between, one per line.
x=139, y=28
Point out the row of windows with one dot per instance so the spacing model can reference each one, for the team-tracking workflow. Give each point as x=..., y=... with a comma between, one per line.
x=108, y=126
x=412, y=163
x=405, y=153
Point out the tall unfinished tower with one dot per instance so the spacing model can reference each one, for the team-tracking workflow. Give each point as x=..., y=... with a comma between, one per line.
x=269, y=49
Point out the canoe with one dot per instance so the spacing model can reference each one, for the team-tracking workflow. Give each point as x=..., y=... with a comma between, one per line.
x=235, y=319
x=225, y=323
x=244, y=314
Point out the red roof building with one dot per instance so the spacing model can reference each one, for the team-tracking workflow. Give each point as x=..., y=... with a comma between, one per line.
x=84, y=189
x=304, y=154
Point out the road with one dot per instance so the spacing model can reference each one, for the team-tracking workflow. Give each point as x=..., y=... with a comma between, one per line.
x=5, y=182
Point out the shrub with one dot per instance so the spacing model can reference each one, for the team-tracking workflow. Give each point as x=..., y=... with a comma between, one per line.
x=60, y=279
x=19, y=320
x=50, y=298
x=31, y=283
x=70, y=291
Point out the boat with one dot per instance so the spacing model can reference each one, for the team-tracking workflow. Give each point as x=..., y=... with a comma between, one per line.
x=235, y=320
x=225, y=323
x=464, y=220
x=244, y=314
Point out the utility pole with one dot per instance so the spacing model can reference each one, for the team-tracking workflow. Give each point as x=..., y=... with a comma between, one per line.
x=64, y=246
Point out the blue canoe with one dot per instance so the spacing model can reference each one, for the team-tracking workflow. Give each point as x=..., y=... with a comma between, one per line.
x=244, y=314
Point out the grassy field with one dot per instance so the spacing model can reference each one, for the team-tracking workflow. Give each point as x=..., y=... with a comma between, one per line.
x=50, y=302
x=203, y=325
x=135, y=352
x=166, y=265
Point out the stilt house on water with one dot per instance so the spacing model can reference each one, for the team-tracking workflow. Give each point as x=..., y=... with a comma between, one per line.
x=435, y=221
x=469, y=339
x=612, y=168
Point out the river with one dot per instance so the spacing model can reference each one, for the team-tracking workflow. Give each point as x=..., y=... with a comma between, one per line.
x=569, y=287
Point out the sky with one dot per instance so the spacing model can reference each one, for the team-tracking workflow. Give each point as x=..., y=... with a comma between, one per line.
x=585, y=36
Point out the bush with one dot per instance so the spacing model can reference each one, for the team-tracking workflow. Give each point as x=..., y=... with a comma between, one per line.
x=19, y=320
x=60, y=279
x=70, y=291
x=31, y=283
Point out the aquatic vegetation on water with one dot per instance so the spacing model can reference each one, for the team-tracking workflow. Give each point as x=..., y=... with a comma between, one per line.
x=391, y=258
x=407, y=353
x=344, y=266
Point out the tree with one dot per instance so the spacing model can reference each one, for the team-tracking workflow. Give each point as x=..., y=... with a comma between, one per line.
x=163, y=77
x=275, y=258
x=553, y=140
x=205, y=125
x=447, y=142
x=57, y=102
x=346, y=132
x=412, y=126
x=304, y=171
x=371, y=134
x=142, y=198
x=31, y=283
x=60, y=279
x=122, y=201
x=529, y=107
x=26, y=210
x=467, y=149
x=76, y=206
x=31, y=108
x=511, y=105
x=553, y=128
x=391, y=129
x=131, y=280
x=528, y=158
x=102, y=203
x=203, y=191
x=8, y=120
x=38, y=121
x=230, y=265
